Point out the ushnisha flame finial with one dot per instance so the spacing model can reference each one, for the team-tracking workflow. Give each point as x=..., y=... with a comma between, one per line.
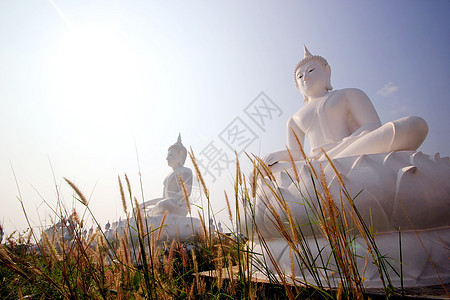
x=178, y=144
x=308, y=57
x=306, y=52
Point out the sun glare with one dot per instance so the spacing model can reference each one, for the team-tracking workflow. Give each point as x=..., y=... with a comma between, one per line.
x=93, y=72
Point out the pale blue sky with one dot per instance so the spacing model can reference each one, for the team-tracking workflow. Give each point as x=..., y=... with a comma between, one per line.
x=82, y=81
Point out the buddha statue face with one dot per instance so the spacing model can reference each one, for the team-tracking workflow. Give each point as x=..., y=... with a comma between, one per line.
x=174, y=158
x=312, y=79
x=176, y=154
x=304, y=79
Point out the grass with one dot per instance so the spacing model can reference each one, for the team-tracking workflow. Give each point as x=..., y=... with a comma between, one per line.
x=137, y=265
x=336, y=220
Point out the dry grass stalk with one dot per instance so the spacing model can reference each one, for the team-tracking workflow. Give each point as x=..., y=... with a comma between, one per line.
x=20, y=294
x=293, y=227
x=50, y=246
x=204, y=230
x=219, y=269
x=139, y=223
x=77, y=190
x=191, y=292
x=231, y=273
x=334, y=168
x=254, y=179
x=197, y=275
x=334, y=221
x=264, y=170
x=124, y=251
x=9, y=262
x=74, y=216
x=275, y=264
x=169, y=265
x=184, y=259
x=305, y=157
x=340, y=291
x=365, y=232
x=116, y=235
x=198, y=173
x=30, y=235
x=272, y=186
x=337, y=231
x=128, y=183
x=344, y=215
x=122, y=196
x=185, y=193
x=161, y=225
x=246, y=194
x=230, y=215
x=331, y=211
x=291, y=258
x=154, y=261
x=297, y=178
x=334, y=224
x=238, y=170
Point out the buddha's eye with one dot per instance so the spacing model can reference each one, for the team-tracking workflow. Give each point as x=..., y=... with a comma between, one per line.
x=300, y=76
x=311, y=70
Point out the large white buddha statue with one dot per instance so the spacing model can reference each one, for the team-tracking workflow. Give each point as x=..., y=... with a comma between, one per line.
x=396, y=187
x=174, y=199
x=342, y=122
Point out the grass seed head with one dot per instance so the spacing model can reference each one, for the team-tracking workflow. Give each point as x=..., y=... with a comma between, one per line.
x=122, y=196
x=198, y=173
x=82, y=198
x=161, y=225
x=230, y=215
x=139, y=218
x=185, y=193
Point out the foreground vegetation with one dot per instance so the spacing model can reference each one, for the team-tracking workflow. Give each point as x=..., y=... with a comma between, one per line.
x=136, y=264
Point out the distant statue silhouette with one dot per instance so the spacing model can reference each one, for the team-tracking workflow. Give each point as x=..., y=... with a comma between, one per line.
x=173, y=200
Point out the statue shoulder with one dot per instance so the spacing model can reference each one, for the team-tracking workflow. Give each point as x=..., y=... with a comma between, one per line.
x=352, y=97
x=352, y=93
x=184, y=170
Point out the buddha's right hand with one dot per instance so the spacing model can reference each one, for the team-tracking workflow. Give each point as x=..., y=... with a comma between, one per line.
x=271, y=159
x=147, y=203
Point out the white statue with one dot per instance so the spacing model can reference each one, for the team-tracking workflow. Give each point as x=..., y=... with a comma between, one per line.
x=174, y=199
x=342, y=122
x=400, y=188
x=177, y=225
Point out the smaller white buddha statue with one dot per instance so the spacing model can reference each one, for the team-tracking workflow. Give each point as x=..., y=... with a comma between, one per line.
x=174, y=199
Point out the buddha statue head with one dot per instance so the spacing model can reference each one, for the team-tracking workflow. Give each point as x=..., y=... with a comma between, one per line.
x=177, y=154
x=320, y=61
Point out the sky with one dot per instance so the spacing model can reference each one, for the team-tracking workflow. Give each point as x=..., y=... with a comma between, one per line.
x=93, y=90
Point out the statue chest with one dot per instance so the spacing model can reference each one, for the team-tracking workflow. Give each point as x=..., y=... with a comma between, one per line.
x=171, y=182
x=323, y=120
